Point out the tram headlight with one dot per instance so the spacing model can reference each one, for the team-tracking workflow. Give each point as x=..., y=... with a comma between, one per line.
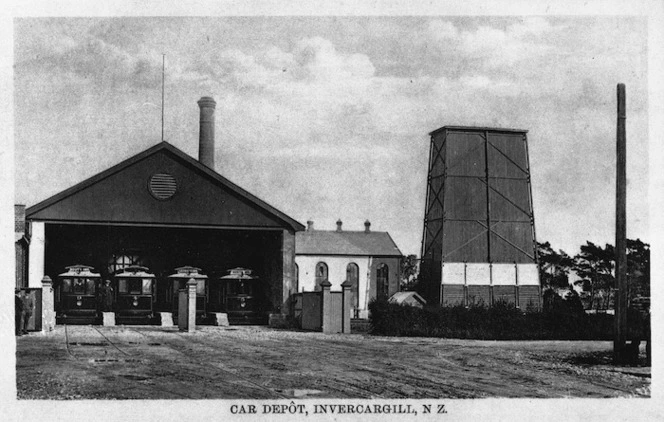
x=79, y=301
x=135, y=302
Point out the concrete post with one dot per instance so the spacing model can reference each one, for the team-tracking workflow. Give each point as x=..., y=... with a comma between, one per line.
x=346, y=306
x=326, y=307
x=191, y=312
x=183, y=309
x=48, y=305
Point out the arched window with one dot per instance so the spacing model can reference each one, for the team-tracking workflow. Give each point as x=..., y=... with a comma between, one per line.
x=321, y=275
x=353, y=275
x=382, y=280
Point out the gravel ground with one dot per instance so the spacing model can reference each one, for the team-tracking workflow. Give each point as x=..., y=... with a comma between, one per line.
x=146, y=362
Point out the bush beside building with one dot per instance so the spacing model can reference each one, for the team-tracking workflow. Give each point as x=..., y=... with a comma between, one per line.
x=560, y=319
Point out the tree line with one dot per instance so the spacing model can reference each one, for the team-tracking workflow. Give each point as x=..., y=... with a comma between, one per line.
x=594, y=271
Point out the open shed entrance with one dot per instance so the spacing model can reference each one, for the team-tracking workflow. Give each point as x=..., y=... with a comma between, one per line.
x=109, y=248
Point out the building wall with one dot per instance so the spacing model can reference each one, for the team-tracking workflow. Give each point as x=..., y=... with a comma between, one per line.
x=21, y=247
x=337, y=265
x=36, y=254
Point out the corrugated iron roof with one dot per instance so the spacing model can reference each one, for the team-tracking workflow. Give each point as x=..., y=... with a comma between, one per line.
x=322, y=242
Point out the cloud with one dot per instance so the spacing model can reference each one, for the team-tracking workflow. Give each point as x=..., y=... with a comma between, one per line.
x=339, y=125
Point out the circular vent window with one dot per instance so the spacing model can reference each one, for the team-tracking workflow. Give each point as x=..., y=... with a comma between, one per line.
x=162, y=185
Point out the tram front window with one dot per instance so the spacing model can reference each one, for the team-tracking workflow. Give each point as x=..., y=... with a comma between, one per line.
x=239, y=288
x=79, y=286
x=91, y=286
x=200, y=287
x=66, y=285
x=132, y=287
x=147, y=286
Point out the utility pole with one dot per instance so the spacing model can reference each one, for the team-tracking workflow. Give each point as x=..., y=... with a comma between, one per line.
x=620, y=321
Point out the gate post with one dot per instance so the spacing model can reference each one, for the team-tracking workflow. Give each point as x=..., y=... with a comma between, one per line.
x=191, y=312
x=326, y=307
x=47, y=305
x=346, y=306
x=187, y=307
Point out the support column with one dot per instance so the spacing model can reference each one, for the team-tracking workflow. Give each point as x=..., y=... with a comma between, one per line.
x=48, y=305
x=36, y=254
x=326, y=307
x=346, y=306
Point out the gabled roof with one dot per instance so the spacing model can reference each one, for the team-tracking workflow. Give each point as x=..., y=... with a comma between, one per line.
x=40, y=210
x=356, y=243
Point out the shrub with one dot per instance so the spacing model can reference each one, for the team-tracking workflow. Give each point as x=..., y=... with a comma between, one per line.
x=560, y=319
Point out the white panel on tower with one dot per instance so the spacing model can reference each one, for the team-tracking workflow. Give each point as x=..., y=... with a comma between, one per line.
x=477, y=274
x=503, y=274
x=527, y=275
x=454, y=273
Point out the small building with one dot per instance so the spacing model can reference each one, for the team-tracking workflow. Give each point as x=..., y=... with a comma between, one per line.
x=408, y=298
x=370, y=260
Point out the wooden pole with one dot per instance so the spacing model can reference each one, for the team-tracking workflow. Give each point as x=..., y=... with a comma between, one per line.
x=620, y=322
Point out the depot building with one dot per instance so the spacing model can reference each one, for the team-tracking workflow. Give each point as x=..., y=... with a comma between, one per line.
x=162, y=209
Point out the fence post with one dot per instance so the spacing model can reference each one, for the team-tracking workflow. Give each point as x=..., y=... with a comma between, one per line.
x=48, y=305
x=346, y=306
x=326, y=307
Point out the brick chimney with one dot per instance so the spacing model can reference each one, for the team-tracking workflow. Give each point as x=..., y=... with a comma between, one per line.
x=367, y=226
x=19, y=218
x=310, y=226
x=339, y=223
x=206, y=134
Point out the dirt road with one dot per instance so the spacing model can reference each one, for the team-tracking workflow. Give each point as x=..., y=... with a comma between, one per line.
x=85, y=362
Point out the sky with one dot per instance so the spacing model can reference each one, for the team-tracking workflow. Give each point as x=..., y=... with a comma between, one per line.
x=327, y=118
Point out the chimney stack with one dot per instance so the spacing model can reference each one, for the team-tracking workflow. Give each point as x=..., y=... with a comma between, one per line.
x=206, y=134
x=339, y=223
x=367, y=226
x=310, y=226
x=19, y=218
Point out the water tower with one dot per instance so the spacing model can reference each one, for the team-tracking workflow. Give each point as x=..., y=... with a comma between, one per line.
x=478, y=243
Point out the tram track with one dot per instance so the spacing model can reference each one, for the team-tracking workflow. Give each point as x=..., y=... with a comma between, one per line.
x=111, y=343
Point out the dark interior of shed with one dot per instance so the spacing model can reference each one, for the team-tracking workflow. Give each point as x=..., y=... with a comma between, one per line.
x=163, y=249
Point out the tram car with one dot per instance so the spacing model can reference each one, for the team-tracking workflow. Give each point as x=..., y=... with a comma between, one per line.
x=178, y=281
x=76, y=295
x=135, y=296
x=238, y=294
